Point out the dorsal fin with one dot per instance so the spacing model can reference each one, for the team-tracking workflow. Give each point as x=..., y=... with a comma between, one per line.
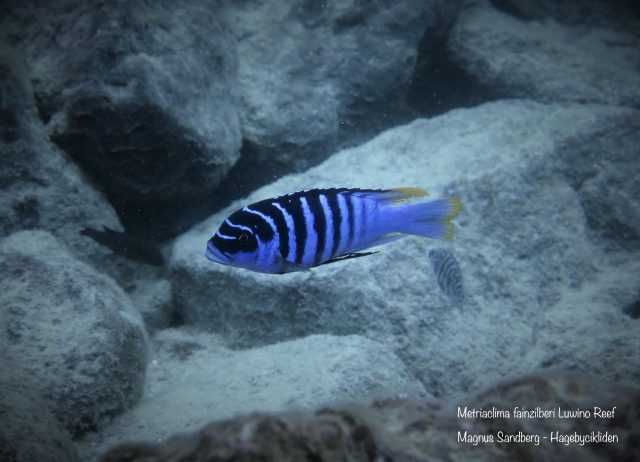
x=408, y=193
x=392, y=196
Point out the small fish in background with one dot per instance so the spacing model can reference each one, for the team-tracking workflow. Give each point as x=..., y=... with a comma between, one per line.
x=309, y=228
x=448, y=274
x=127, y=245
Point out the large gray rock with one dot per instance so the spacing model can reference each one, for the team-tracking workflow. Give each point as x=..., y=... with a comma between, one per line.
x=154, y=299
x=139, y=94
x=14, y=97
x=42, y=188
x=558, y=55
x=74, y=331
x=193, y=380
x=621, y=14
x=307, y=69
x=525, y=243
x=416, y=431
x=39, y=186
x=605, y=176
x=29, y=431
x=151, y=99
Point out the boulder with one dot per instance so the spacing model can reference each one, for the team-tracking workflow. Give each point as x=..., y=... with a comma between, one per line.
x=304, y=83
x=29, y=431
x=604, y=173
x=40, y=187
x=14, y=96
x=552, y=51
x=193, y=380
x=524, y=242
x=585, y=13
x=73, y=329
x=413, y=430
x=152, y=101
x=154, y=299
x=140, y=95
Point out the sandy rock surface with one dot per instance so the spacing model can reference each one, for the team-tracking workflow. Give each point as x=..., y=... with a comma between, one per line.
x=74, y=331
x=193, y=379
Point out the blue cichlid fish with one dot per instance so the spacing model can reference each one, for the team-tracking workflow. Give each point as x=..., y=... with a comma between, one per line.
x=309, y=228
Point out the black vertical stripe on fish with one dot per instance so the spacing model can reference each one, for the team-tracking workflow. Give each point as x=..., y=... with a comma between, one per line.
x=326, y=209
x=258, y=224
x=319, y=224
x=332, y=199
x=448, y=274
x=348, y=197
x=362, y=225
x=345, y=234
x=266, y=207
x=292, y=205
x=269, y=221
x=309, y=254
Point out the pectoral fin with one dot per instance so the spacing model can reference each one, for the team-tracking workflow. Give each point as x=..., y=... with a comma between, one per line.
x=289, y=266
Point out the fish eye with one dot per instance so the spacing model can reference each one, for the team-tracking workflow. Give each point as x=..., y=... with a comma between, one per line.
x=243, y=237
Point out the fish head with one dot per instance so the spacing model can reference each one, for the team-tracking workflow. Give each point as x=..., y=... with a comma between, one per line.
x=234, y=245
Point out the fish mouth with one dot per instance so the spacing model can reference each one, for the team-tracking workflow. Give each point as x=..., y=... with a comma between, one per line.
x=213, y=254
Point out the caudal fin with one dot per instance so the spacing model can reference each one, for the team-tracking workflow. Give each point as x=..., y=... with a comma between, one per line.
x=429, y=219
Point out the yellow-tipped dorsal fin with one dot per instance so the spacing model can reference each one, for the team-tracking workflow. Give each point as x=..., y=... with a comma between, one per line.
x=408, y=193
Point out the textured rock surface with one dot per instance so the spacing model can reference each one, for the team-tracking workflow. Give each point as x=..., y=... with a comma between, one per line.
x=315, y=76
x=29, y=432
x=323, y=64
x=39, y=186
x=193, y=379
x=621, y=14
x=154, y=300
x=74, y=330
x=606, y=179
x=139, y=94
x=152, y=100
x=525, y=245
x=553, y=57
x=14, y=96
x=411, y=430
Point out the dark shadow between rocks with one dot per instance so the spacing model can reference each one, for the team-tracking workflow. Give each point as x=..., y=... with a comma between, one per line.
x=142, y=160
x=439, y=84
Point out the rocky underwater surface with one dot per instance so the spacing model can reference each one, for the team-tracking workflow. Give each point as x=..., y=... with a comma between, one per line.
x=154, y=121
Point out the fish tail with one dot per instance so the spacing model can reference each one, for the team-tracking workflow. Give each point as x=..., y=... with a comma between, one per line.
x=429, y=219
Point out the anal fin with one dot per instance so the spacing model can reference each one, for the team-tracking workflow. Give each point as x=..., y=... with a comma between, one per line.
x=348, y=256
